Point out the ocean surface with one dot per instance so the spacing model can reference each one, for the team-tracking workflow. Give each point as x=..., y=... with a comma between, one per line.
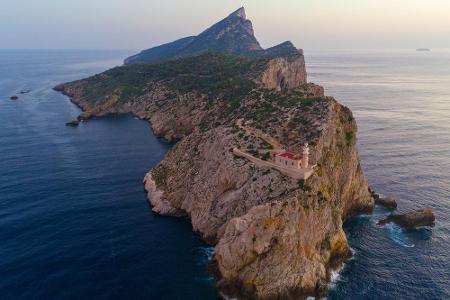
x=75, y=223
x=401, y=101
x=74, y=219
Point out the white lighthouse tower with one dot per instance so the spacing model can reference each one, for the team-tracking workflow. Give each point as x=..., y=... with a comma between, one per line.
x=305, y=158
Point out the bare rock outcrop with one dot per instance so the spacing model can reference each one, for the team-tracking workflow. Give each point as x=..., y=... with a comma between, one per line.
x=388, y=202
x=73, y=123
x=281, y=249
x=421, y=217
x=285, y=73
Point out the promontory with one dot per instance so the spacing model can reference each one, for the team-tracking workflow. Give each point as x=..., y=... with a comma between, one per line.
x=265, y=166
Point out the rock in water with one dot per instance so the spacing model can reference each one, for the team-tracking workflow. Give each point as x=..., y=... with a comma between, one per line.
x=374, y=195
x=421, y=217
x=388, y=202
x=73, y=123
x=14, y=98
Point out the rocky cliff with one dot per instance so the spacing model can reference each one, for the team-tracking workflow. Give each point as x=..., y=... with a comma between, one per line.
x=276, y=237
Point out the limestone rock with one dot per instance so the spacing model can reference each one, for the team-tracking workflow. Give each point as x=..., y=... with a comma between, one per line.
x=285, y=73
x=280, y=250
x=388, y=202
x=421, y=217
x=73, y=123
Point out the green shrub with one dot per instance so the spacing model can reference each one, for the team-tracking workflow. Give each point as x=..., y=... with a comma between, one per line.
x=265, y=156
x=159, y=175
x=349, y=137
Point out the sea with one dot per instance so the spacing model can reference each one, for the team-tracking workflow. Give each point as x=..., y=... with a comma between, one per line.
x=75, y=222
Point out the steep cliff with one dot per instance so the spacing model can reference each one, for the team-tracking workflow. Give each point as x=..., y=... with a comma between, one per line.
x=275, y=236
x=286, y=247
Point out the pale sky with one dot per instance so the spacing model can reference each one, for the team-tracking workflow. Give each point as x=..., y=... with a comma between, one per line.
x=139, y=24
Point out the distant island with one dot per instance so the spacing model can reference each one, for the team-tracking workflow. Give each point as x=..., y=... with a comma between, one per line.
x=266, y=166
x=423, y=49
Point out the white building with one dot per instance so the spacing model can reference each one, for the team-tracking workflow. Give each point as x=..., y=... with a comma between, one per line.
x=293, y=161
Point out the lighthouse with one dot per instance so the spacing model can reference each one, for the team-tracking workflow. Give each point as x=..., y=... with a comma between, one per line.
x=305, y=158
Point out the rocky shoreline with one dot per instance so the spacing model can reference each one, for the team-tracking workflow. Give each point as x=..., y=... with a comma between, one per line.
x=275, y=237
x=255, y=217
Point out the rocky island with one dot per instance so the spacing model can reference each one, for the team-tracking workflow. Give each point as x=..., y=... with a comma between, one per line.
x=275, y=236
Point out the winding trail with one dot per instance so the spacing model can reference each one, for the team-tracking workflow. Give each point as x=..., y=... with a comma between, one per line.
x=277, y=148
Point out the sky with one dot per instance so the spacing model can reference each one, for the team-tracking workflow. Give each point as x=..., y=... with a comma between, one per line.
x=140, y=24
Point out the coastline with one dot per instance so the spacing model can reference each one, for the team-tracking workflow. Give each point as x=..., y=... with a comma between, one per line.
x=155, y=197
x=379, y=153
x=161, y=205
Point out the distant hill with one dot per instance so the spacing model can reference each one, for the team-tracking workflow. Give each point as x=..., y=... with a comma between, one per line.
x=234, y=34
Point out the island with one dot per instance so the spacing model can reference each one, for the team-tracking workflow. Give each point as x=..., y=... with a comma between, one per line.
x=265, y=167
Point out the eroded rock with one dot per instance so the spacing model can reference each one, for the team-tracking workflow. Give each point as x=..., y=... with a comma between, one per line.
x=285, y=73
x=388, y=202
x=73, y=123
x=421, y=217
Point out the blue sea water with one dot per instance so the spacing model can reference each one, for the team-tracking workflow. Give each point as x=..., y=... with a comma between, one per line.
x=401, y=101
x=74, y=220
x=75, y=223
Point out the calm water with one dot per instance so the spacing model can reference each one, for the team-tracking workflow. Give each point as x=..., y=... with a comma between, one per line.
x=74, y=221
x=401, y=100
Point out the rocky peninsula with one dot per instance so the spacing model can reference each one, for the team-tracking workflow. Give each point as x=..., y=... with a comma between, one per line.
x=275, y=237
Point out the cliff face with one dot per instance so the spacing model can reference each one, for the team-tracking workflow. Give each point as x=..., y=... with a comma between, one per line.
x=275, y=236
x=285, y=247
x=284, y=74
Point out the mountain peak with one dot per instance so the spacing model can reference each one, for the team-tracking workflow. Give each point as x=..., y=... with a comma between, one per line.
x=234, y=34
x=239, y=13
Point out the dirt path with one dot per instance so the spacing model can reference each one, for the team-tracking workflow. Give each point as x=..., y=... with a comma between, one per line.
x=296, y=174
x=277, y=147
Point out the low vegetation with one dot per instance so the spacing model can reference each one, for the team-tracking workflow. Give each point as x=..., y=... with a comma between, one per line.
x=216, y=75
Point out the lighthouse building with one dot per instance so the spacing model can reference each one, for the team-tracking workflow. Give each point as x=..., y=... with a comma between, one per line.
x=293, y=161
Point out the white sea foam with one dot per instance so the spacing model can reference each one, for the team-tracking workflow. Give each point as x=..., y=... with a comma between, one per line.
x=335, y=277
x=208, y=252
x=397, y=234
